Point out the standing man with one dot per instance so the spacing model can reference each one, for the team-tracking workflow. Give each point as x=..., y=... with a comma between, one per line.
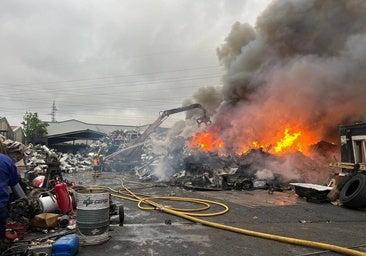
x=8, y=177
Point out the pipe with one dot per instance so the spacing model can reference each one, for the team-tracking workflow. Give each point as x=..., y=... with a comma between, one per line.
x=18, y=191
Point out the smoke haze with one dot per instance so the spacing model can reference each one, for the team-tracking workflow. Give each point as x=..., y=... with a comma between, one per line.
x=301, y=67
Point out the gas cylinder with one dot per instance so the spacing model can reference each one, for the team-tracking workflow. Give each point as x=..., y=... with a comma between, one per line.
x=63, y=198
x=38, y=181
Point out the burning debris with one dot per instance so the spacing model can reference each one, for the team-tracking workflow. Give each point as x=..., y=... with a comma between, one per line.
x=274, y=123
x=256, y=168
x=286, y=79
x=282, y=99
x=283, y=93
x=179, y=162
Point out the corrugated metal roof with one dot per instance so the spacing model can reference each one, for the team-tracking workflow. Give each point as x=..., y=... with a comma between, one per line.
x=72, y=125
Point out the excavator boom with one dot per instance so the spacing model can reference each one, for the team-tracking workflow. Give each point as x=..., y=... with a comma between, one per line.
x=203, y=119
x=185, y=108
x=162, y=116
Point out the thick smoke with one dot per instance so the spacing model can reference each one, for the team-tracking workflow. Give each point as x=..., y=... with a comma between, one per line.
x=301, y=67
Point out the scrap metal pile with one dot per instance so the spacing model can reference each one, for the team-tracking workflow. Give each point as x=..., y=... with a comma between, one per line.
x=178, y=164
x=38, y=154
x=174, y=163
x=171, y=161
x=40, y=170
x=44, y=202
x=256, y=168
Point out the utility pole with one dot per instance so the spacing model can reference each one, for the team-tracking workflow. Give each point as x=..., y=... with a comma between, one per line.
x=53, y=112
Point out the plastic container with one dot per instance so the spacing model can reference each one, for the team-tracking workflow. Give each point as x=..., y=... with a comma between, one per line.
x=63, y=199
x=66, y=246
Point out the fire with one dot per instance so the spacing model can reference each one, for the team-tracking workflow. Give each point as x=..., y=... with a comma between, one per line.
x=206, y=141
x=285, y=141
x=288, y=141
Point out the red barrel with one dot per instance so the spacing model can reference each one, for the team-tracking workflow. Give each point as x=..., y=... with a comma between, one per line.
x=63, y=198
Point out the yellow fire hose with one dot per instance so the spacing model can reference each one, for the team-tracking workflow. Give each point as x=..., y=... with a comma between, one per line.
x=190, y=214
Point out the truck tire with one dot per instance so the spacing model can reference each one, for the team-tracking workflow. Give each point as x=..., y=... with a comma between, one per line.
x=353, y=193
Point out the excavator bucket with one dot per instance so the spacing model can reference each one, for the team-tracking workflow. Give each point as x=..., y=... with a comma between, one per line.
x=203, y=119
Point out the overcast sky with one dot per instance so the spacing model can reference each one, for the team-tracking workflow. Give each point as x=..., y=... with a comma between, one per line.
x=112, y=61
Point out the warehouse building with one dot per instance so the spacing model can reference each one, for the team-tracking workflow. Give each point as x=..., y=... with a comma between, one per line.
x=72, y=135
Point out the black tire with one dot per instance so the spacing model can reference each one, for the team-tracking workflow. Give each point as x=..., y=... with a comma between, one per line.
x=121, y=214
x=247, y=184
x=344, y=181
x=353, y=193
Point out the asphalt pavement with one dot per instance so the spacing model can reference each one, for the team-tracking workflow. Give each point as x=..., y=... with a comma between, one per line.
x=155, y=232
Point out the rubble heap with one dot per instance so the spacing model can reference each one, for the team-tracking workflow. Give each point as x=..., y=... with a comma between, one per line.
x=178, y=164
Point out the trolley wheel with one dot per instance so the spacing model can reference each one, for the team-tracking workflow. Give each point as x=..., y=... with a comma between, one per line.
x=121, y=214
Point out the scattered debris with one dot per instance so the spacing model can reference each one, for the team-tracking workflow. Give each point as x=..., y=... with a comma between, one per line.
x=49, y=202
x=312, y=192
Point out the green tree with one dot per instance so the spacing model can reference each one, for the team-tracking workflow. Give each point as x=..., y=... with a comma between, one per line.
x=33, y=127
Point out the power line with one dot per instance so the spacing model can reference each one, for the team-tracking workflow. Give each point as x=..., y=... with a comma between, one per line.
x=106, y=77
x=69, y=93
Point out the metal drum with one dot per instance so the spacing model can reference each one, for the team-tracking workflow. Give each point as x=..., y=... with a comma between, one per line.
x=92, y=219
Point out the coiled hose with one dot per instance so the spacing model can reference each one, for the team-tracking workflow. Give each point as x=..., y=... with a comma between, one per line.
x=192, y=215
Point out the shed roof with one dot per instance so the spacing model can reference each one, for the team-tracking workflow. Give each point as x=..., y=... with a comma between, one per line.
x=76, y=135
x=76, y=130
x=73, y=125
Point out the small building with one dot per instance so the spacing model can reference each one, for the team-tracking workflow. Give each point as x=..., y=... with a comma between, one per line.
x=5, y=129
x=18, y=134
x=14, y=133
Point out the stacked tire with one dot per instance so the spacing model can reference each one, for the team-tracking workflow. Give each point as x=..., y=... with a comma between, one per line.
x=353, y=193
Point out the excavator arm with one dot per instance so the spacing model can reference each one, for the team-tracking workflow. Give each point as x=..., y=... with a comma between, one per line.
x=203, y=119
x=162, y=116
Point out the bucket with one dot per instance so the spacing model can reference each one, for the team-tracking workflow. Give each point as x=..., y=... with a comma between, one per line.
x=92, y=219
x=48, y=204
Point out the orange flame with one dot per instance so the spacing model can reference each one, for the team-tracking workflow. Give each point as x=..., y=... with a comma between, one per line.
x=284, y=142
x=206, y=141
x=287, y=142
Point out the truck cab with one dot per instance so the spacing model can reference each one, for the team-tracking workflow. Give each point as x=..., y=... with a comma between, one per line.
x=353, y=162
x=353, y=143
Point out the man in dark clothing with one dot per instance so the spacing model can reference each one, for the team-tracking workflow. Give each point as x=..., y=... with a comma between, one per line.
x=8, y=177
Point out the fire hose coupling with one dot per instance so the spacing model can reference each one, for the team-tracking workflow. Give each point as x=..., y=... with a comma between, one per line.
x=159, y=209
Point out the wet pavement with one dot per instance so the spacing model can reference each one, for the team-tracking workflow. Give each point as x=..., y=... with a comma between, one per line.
x=281, y=213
